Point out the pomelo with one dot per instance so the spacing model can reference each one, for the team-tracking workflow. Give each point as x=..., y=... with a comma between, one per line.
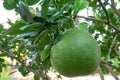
x=76, y=54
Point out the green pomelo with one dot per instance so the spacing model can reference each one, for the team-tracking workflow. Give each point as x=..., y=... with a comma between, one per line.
x=76, y=54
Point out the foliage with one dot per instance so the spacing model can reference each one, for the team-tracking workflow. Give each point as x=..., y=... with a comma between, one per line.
x=29, y=39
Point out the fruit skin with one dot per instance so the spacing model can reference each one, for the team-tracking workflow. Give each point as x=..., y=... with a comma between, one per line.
x=76, y=54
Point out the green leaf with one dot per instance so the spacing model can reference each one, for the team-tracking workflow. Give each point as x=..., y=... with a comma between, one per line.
x=32, y=27
x=1, y=27
x=24, y=12
x=20, y=27
x=83, y=25
x=23, y=70
x=79, y=5
x=116, y=62
x=43, y=41
x=32, y=2
x=45, y=53
x=93, y=3
x=36, y=77
x=9, y=4
x=61, y=11
x=15, y=29
x=44, y=10
x=26, y=35
x=61, y=3
x=46, y=63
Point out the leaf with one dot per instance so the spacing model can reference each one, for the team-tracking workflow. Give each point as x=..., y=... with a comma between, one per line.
x=20, y=27
x=61, y=3
x=45, y=53
x=46, y=63
x=43, y=41
x=32, y=27
x=15, y=28
x=9, y=4
x=116, y=62
x=32, y=2
x=1, y=27
x=23, y=70
x=24, y=12
x=26, y=35
x=84, y=26
x=93, y=3
x=44, y=10
x=36, y=77
x=79, y=5
x=61, y=11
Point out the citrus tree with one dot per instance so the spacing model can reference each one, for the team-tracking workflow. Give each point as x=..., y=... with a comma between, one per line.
x=55, y=35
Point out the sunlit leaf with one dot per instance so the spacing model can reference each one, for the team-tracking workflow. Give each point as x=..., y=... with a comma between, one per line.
x=83, y=25
x=79, y=5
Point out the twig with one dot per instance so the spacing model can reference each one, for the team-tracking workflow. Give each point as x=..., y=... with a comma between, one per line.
x=107, y=16
x=114, y=27
x=105, y=62
x=92, y=19
x=117, y=52
x=8, y=53
x=108, y=68
x=101, y=74
x=112, y=45
x=101, y=21
x=42, y=75
x=114, y=8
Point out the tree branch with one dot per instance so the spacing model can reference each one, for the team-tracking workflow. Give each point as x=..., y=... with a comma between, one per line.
x=38, y=72
x=101, y=74
x=101, y=21
x=108, y=68
x=92, y=19
x=105, y=62
x=107, y=16
x=8, y=53
x=114, y=8
x=112, y=45
x=118, y=53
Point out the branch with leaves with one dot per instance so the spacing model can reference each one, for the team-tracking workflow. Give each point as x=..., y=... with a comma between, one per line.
x=38, y=72
x=101, y=21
